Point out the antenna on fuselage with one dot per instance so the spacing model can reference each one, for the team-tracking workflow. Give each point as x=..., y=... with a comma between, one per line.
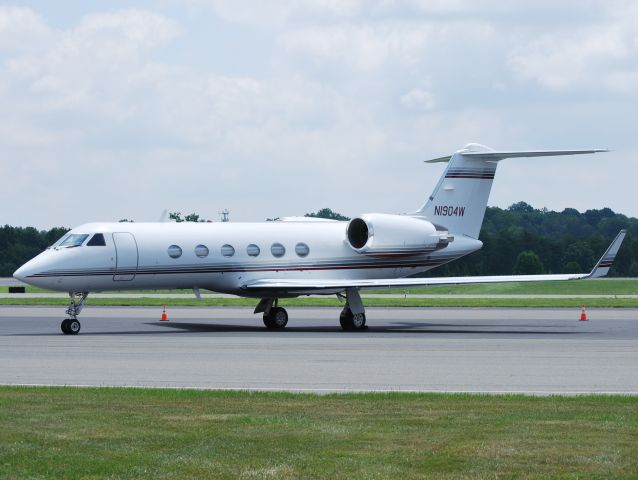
x=224, y=215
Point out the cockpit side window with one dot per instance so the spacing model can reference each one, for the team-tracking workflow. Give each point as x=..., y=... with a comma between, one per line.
x=73, y=240
x=97, y=241
x=59, y=242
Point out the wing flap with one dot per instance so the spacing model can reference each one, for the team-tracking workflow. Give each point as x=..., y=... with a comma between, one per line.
x=296, y=285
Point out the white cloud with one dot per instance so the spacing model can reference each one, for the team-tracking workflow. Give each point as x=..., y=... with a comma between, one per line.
x=597, y=56
x=20, y=27
x=91, y=66
x=418, y=99
x=275, y=13
x=190, y=110
x=364, y=47
x=563, y=61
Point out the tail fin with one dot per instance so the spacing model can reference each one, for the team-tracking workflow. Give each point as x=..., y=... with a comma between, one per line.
x=460, y=198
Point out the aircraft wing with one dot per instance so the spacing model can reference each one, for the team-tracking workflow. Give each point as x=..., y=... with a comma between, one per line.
x=303, y=285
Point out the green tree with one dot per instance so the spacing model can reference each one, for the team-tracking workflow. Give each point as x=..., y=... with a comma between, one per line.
x=572, y=267
x=177, y=216
x=327, y=213
x=521, y=207
x=191, y=217
x=528, y=263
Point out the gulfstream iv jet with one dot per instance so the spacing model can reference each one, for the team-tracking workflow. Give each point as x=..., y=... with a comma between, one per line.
x=294, y=256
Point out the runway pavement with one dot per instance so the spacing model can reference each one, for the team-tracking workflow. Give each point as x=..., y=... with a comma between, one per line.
x=527, y=350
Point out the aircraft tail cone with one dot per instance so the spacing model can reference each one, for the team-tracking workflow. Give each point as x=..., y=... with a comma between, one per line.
x=164, y=316
x=583, y=314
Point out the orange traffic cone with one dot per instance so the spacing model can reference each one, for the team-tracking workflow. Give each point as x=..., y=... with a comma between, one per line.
x=164, y=316
x=583, y=314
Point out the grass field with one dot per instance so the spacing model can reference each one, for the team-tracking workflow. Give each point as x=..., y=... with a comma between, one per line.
x=128, y=433
x=586, y=287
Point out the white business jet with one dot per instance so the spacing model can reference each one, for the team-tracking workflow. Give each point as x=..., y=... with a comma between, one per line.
x=292, y=257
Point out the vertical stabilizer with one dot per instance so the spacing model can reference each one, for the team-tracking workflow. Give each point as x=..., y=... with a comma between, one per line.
x=460, y=198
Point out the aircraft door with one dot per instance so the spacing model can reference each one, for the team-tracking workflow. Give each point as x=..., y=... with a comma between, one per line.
x=126, y=256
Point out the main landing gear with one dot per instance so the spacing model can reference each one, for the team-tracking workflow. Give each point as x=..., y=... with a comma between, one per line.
x=275, y=317
x=71, y=326
x=352, y=317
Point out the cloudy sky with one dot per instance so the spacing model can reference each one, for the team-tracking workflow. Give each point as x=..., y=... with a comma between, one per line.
x=118, y=109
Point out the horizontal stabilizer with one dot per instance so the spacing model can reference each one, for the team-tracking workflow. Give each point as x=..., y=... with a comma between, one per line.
x=496, y=156
x=532, y=153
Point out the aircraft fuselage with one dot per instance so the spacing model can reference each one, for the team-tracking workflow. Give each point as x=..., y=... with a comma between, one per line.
x=217, y=256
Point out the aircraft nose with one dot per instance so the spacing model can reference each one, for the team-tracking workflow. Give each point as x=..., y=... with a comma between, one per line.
x=25, y=271
x=21, y=273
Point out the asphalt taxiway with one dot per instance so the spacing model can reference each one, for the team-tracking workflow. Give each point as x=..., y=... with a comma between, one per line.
x=530, y=350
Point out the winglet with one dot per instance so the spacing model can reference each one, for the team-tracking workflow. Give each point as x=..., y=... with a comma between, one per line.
x=604, y=264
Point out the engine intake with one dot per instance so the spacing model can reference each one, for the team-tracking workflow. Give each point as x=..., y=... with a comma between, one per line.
x=379, y=234
x=358, y=233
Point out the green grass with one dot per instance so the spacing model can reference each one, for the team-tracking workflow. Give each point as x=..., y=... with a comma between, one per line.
x=582, y=287
x=333, y=302
x=129, y=433
x=588, y=287
x=576, y=287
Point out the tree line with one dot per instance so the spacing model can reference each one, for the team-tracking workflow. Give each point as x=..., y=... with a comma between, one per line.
x=519, y=239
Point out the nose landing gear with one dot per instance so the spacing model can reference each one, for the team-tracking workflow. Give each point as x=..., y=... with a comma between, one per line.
x=71, y=326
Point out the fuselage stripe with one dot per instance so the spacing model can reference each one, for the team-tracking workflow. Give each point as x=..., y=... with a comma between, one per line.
x=176, y=271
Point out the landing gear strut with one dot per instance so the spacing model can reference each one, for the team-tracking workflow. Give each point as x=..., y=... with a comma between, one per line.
x=353, y=315
x=275, y=317
x=71, y=326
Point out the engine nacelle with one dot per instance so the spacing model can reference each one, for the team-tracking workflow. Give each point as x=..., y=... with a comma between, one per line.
x=379, y=234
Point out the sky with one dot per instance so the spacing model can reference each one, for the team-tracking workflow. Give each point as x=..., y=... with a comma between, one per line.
x=112, y=110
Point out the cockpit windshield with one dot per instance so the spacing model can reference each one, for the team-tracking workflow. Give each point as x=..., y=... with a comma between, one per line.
x=71, y=240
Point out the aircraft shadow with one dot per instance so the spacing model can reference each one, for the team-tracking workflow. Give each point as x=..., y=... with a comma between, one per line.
x=414, y=328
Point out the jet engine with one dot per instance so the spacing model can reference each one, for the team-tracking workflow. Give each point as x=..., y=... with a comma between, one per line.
x=378, y=234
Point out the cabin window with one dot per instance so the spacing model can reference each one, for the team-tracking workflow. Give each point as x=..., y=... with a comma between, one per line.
x=74, y=240
x=228, y=250
x=302, y=249
x=277, y=250
x=201, y=251
x=97, y=241
x=252, y=250
x=174, y=251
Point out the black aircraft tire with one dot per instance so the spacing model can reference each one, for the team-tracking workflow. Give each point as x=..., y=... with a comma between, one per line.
x=279, y=317
x=64, y=326
x=74, y=327
x=347, y=321
x=276, y=319
x=268, y=321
